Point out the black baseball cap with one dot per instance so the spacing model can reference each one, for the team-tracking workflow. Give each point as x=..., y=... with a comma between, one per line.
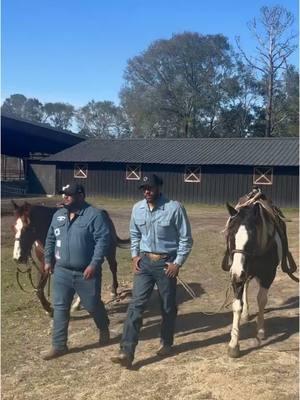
x=151, y=180
x=71, y=189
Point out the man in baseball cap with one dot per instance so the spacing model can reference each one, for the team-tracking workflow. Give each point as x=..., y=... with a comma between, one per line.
x=72, y=189
x=151, y=181
x=77, y=242
x=161, y=241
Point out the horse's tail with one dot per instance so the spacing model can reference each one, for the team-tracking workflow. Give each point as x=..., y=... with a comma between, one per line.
x=123, y=243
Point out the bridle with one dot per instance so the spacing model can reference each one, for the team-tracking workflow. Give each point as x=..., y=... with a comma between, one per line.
x=252, y=255
x=30, y=262
x=245, y=253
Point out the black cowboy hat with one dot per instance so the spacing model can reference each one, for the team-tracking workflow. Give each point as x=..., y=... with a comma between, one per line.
x=151, y=181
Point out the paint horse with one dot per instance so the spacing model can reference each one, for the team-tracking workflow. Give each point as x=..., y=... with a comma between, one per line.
x=31, y=227
x=255, y=247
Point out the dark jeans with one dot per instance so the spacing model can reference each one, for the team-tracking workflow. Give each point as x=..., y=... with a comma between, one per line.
x=65, y=283
x=151, y=273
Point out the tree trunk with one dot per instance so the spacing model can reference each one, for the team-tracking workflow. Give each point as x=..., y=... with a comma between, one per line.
x=186, y=128
x=269, y=111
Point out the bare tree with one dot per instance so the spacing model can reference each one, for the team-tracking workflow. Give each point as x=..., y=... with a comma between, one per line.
x=275, y=43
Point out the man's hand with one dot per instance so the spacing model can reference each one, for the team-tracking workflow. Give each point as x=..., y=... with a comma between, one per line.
x=48, y=268
x=172, y=270
x=89, y=272
x=135, y=264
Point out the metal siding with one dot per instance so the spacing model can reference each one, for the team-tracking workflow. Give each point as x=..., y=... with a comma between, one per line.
x=41, y=178
x=218, y=183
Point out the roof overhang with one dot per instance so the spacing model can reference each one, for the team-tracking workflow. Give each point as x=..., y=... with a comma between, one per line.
x=20, y=138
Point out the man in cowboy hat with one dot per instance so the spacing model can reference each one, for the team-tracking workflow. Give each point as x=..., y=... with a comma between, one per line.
x=160, y=243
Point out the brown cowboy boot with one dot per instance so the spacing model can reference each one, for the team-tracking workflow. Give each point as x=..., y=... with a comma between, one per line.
x=123, y=359
x=165, y=350
x=55, y=353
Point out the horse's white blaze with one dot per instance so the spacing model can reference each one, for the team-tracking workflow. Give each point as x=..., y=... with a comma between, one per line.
x=241, y=238
x=17, y=249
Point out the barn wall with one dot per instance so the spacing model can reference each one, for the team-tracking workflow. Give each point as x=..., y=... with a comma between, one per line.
x=218, y=183
x=41, y=178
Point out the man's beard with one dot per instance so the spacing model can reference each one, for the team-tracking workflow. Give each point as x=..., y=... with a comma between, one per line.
x=72, y=207
x=154, y=198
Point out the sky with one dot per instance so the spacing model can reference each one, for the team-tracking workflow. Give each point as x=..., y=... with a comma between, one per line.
x=76, y=50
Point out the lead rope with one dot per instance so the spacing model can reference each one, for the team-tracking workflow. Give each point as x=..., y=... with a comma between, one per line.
x=120, y=296
x=123, y=294
x=225, y=305
x=191, y=292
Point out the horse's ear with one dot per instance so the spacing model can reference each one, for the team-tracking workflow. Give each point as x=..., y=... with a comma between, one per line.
x=232, y=211
x=27, y=206
x=15, y=205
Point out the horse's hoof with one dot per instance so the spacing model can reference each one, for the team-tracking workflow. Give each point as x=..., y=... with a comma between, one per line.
x=234, y=352
x=245, y=317
x=261, y=335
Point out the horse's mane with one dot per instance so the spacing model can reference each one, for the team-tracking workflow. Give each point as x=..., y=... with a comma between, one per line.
x=38, y=211
x=272, y=215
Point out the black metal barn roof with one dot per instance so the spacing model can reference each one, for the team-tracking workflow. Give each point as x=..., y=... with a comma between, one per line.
x=20, y=137
x=229, y=151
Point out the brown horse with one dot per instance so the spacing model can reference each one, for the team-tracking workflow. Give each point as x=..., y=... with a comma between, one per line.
x=31, y=227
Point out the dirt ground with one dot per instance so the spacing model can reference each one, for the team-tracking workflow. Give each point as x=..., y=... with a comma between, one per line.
x=199, y=368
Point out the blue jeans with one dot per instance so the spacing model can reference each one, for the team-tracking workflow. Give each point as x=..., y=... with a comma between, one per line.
x=151, y=273
x=65, y=283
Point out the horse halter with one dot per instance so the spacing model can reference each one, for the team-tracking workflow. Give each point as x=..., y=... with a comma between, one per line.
x=30, y=234
x=261, y=253
x=245, y=253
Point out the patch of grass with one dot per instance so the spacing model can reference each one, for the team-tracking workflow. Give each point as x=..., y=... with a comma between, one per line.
x=22, y=316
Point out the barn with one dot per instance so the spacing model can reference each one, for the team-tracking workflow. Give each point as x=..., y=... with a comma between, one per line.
x=200, y=170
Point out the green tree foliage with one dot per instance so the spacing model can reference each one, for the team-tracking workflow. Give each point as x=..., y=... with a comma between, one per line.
x=292, y=101
x=59, y=115
x=179, y=87
x=20, y=106
x=102, y=119
x=286, y=104
x=236, y=120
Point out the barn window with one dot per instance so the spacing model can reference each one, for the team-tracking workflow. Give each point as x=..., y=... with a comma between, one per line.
x=133, y=172
x=80, y=171
x=192, y=174
x=263, y=176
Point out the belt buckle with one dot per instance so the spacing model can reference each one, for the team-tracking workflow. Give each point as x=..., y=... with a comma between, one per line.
x=155, y=257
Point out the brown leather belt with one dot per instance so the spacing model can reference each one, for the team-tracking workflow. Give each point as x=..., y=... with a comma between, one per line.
x=156, y=256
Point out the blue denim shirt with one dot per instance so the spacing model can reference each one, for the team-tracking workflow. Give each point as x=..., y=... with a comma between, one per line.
x=165, y=229
x=78, y=243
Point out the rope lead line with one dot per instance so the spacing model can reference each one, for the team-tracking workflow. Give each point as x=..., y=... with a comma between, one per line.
x=194, y=296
